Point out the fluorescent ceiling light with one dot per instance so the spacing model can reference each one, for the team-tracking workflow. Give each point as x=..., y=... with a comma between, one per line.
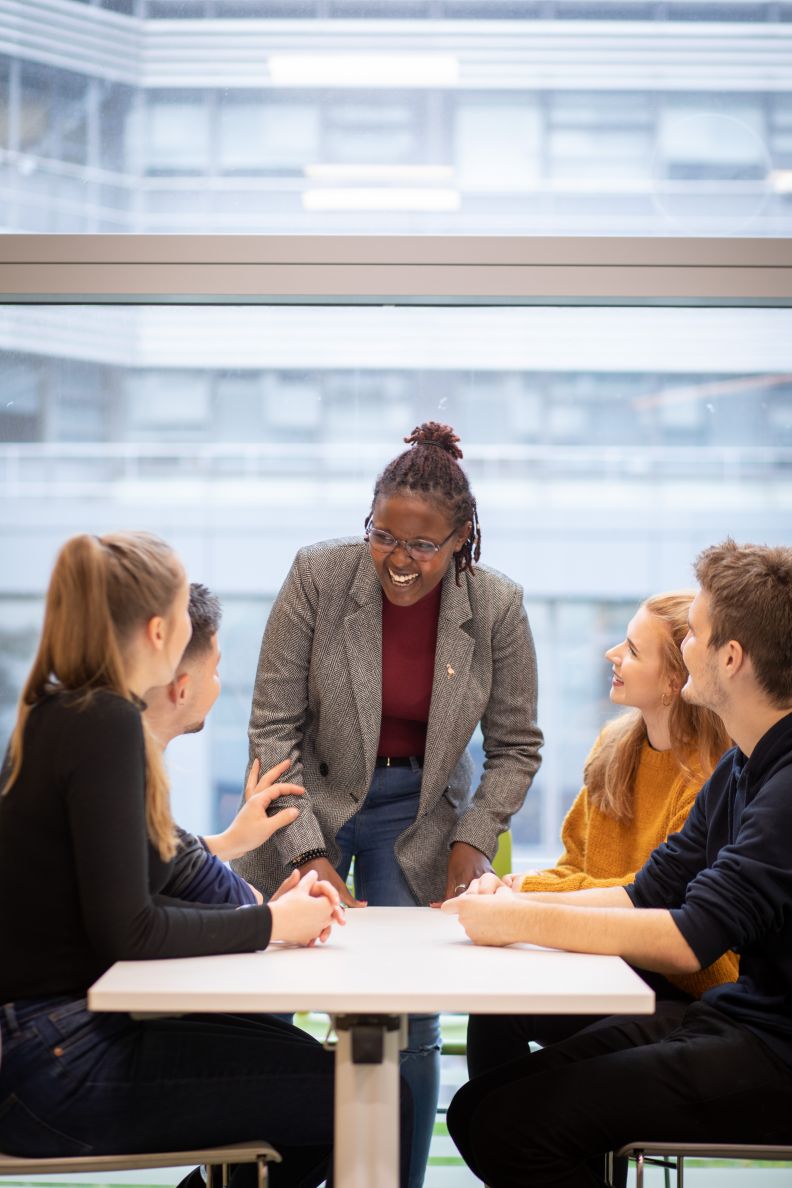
x=381, y=199
x=380, y=173
x=364, y=70
x=781, y=180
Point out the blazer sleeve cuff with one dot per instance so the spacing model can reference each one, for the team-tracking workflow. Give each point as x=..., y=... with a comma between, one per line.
x=302, y=835
x=478, y=830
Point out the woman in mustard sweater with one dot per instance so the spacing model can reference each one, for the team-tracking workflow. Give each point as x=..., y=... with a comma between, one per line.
x=641, y=779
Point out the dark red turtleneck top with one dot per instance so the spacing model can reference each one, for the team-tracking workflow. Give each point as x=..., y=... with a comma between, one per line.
x=409, y=640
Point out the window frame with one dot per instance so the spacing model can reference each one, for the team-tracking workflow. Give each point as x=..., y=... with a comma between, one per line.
x=394, y=269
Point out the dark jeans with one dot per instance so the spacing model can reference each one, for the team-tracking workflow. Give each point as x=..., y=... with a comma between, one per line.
x=691, y=1074
x=73, y=1082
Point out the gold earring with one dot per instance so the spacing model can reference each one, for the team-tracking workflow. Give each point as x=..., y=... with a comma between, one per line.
x=666, y=699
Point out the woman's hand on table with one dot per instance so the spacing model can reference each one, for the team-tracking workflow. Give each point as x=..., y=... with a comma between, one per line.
x=287, y=885
x=465, y=864
x=251, y=827
x=488, y=884
x=488, y=919
x=327, y=873
x=516, y=878
x=304, y=913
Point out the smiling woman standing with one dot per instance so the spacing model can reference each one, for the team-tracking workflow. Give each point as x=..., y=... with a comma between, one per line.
x=379, y=660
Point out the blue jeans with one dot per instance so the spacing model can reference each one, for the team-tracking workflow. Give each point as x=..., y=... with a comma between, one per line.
x=77, y=1083
x=390, y=807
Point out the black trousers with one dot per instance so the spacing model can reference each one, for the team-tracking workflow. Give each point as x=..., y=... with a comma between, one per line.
x=495, y=1040
x=690, y=1074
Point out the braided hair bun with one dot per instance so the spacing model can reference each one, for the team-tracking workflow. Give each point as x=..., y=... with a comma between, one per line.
x=435, y=434
x=430, y=468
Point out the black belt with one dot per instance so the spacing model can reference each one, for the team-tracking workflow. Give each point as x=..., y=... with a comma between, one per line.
x=398, y=760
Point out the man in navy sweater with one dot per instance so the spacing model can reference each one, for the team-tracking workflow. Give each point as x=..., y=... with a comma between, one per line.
x=199, y=873
x=719, y=1070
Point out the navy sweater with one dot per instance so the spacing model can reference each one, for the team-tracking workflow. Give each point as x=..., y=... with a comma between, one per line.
x=727, y=879
x=198, y=875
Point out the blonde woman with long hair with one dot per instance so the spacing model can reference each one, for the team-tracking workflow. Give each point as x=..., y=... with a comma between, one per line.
x=641, y=779
x=86, y=838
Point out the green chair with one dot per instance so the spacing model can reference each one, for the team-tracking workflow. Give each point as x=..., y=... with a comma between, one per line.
x=502, y=862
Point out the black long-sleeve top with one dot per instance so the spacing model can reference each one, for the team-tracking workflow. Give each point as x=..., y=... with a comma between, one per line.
x=79, y=879
x=727, y=879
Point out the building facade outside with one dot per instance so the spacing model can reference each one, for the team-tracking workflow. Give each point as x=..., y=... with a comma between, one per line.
x=606, y=445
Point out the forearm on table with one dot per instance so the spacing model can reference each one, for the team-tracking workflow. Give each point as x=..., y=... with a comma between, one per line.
x=590, y=897
x=646, y=937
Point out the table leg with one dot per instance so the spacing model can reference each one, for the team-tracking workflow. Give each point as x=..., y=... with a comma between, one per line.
x=367, y=1101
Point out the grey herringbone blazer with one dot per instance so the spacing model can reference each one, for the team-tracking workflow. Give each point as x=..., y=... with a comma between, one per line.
x=318, y=695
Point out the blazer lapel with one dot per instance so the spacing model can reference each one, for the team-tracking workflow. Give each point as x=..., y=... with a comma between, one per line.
x=363, y=640
x=453, y=656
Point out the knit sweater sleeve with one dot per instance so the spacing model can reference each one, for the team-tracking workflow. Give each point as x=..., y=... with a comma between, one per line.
x=569, y=873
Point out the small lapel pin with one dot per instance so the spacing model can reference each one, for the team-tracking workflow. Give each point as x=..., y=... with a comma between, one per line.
x=450, y=671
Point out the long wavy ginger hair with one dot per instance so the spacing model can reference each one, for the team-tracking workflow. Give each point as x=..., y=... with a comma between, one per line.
x=698, y=736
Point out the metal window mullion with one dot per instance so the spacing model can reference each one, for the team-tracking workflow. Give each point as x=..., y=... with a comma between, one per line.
x=393, y=269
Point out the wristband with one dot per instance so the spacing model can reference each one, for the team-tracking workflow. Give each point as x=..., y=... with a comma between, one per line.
x=308, y=856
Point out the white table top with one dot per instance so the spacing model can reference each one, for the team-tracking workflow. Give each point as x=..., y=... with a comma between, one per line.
x=385, y=961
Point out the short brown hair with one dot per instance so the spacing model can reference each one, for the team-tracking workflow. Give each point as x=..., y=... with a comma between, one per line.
x=750, y=592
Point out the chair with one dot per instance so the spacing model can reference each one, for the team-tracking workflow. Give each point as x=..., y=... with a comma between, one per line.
x=502, y=862
x=664, y=1153
x=217, y=1160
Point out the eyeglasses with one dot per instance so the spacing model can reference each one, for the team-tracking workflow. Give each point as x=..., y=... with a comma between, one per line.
x=419, y=550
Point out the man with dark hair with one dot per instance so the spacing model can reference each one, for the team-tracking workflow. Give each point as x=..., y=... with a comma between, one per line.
x=199, y=872
x=205, y=614
x=716, y=1070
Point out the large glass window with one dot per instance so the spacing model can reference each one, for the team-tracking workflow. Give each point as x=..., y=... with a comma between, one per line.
x=605, y=446
x=372, y=117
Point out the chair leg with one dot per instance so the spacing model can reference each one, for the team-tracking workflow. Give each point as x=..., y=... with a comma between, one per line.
x=218, y=1175
x=639, y=1169
x=680, y=1171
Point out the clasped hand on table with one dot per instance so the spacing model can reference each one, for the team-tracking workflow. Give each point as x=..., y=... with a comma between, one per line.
x=490, y=910
x=305, y=909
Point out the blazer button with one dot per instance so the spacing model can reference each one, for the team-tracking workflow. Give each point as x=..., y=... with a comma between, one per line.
x=324, y=769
